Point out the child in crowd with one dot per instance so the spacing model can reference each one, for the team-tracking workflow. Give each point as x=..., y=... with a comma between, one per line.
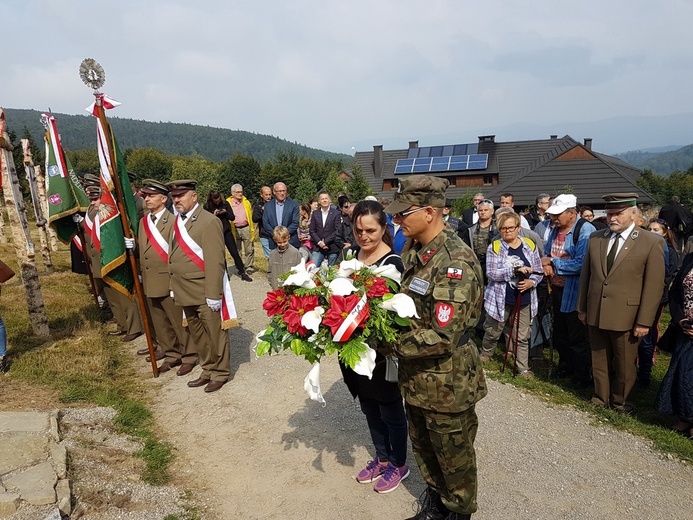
x=283, y=258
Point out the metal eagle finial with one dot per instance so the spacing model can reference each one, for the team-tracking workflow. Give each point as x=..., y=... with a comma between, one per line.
x=92, y=73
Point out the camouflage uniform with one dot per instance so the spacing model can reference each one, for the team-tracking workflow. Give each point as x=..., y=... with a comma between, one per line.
x=440, y=374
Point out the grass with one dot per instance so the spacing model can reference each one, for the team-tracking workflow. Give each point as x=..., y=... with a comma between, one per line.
x=79, y=360
x=190, y=512
x=645, y=422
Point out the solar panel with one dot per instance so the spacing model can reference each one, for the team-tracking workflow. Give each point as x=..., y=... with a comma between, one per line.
x=425, y=164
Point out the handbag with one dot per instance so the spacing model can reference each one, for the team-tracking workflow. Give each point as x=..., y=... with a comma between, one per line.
x=5, y=272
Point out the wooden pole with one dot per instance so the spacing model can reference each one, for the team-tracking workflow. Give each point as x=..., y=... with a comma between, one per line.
x=38, y=207
x=41, y=184
x=125, y=221
x=23, y=245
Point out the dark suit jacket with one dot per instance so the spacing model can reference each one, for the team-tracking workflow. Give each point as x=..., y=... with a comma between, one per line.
x=155, y=277
x=190, y=285
x=326, y=233
x=468, y=216
x=630, y=293
x=289, y=220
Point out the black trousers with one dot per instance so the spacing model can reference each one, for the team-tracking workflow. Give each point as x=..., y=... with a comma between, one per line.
x=233, y=250
x=570, y=339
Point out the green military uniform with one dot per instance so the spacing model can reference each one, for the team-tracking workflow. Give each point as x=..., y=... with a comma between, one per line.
x=440, y=374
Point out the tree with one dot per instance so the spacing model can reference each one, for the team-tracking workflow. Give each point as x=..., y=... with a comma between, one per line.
x=85, y=161
x=334, y=185
x=462, y=203
x=306, y=189
x=149, y=163
x=357, y=187
x=240, y=169
x=196, y=167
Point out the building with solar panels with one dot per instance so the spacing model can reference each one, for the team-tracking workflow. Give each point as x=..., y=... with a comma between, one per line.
x=523, y=168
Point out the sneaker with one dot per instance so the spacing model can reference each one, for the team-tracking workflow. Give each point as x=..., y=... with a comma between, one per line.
x=526, y=374
x=391, y=478
x=372, y=472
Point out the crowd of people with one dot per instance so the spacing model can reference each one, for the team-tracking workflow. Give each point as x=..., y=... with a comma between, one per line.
x=593, y=287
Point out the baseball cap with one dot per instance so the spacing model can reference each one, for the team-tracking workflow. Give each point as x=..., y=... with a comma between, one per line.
x=561, y=203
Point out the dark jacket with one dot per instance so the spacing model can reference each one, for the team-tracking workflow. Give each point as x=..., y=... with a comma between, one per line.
x=290, y=218
x=327, y=232
x=258, y=209
x=345, y=235
x=224, y=217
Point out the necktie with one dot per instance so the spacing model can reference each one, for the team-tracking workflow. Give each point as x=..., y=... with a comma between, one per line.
x=612, y=253
x=153, y=217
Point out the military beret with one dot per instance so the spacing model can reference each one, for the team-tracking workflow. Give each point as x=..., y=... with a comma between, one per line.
x=620, y=200
x=419, y=190
x=181, y=186
x=154, y=187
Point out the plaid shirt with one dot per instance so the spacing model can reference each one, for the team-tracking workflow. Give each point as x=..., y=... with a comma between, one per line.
x=500, y=271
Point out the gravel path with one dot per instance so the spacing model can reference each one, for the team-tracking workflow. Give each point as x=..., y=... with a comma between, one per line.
x=259, y=448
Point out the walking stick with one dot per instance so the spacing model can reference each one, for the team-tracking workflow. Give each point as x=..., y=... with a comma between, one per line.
x=514, y=328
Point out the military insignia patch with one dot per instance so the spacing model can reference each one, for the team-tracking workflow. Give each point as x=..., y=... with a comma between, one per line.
x=427, y=255
x=454, y=273
x=419, y=286
x=634, y=235
x=444, y=312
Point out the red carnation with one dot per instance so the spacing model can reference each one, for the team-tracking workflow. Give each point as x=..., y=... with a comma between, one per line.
x=376, y=287
x=297, y=308
x=340, y=307
x=276, y=302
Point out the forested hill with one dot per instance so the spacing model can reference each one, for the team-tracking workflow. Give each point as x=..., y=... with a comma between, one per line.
x=218, y=144
x=663, y=163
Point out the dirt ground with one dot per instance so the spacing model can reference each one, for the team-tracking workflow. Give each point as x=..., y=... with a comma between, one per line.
x=260, y=449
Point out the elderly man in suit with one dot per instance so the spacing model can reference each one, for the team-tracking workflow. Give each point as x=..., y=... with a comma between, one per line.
x=281, y=211
x=621, y=286
x=323, y=230
x=196, y=263
x=154, y=236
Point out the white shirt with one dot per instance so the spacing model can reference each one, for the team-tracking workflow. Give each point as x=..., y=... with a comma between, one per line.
x=623, y=235
x=157, y=216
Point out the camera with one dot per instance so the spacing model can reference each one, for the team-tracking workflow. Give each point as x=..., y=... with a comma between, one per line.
x=519, y=275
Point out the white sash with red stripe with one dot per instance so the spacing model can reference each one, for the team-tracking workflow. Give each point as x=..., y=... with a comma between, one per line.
x=94, y=230
x=353, y=320
x=229, y=318
x=156, y=239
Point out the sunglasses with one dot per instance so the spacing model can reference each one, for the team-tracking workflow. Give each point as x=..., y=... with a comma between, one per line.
x=660, y=221
x=403, y=214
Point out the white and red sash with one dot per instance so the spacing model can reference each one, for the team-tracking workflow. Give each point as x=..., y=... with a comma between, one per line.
x=78, y=243
x=155, y=239
x=194, y=252
x=94, y=230
x=353, y=320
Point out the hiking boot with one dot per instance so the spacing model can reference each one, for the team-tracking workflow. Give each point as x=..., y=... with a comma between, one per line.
x=372, y=472
x=246, y=278
x=430, y=507
x=392, y=476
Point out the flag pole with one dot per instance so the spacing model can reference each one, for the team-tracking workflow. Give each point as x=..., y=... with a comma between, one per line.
x=125, y=222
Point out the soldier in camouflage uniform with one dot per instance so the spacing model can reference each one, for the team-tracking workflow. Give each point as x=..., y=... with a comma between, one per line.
x=440, y=374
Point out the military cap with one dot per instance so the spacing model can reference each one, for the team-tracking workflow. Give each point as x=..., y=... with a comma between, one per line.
x=91, y=180
x=91, y=189
x=132, y=176
x=620, y=200
x=181, y=186
x=153, y=187
x=419, y=190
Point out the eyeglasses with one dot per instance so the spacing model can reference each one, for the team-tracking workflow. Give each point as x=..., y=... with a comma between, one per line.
x=403, y=214
x=508, y=229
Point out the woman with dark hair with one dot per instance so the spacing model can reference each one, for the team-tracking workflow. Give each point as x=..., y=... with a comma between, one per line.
x=676, y=392
x=379, y=396
x=304, y=212
x=219, y=207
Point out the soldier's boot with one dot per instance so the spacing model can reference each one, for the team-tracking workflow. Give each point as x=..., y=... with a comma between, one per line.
x=430, y=507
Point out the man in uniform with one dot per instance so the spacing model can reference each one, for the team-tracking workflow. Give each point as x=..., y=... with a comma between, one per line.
x=197, y=262
x=125, y=311
x=440, y=374
x=154, y=236
x=621, y=285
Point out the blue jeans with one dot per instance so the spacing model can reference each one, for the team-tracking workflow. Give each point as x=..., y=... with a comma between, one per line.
x=265, y=246
x=3, y=338
x=318, y=257
x=387, y=423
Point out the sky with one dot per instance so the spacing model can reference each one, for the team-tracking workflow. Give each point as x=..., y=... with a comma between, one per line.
x=336, y=75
